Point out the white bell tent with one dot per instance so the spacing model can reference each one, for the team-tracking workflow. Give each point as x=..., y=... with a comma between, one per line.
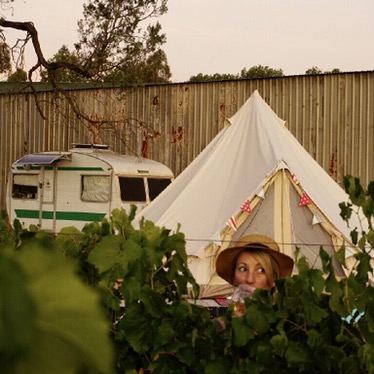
x=254, y=177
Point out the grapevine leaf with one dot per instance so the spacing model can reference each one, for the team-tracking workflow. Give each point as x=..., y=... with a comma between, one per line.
x=313, y=313
x=302, y=264
x=345, y=211
x=107, y=253
x=279, y=343
x=364, y=267
x=153, y=301
x=370, y=237
x=17, y=319
x=68, y=241
x=367, y=354
x=297, y=356
x=131, y=289
x=136, y=327
x=181, y=309
x=354, y=236
x=315, y=339
x=165, y=332
x=354, y=189
x=256, y=321
x=318, y=282
x=221, y=365
x=264, y=353
x=242, y=332
x=340, y=255
x=71, y=330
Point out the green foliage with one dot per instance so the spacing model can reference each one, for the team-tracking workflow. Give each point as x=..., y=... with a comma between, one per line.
x=5, y=65
x=154, y=69
x=18, y=76
x=148, y=269
x=50, y=321
x=119, y=42
x=118, y=39
x=254, y=72
x=17, y=331
x=212, y=77
x=260, y=71
x=312, y=322
x=158, y=328
x=316, y=70
x=363, y=201
x=313, y=70
x=62, y=73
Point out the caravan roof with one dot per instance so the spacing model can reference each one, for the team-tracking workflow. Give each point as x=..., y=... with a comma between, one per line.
x=120, y=164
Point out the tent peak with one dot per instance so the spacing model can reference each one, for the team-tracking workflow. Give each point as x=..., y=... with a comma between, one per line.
x=282, y=165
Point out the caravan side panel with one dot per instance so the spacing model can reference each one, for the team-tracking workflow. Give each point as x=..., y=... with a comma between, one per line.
x=83, y=191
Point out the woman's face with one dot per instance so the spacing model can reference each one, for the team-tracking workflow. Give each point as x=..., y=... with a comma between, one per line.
x=249, y=271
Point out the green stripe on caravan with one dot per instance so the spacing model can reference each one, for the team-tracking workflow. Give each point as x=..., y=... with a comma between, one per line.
x=64, y=168
x=63, y=216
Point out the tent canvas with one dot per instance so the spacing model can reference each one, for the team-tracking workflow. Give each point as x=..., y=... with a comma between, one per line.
x=254, y=177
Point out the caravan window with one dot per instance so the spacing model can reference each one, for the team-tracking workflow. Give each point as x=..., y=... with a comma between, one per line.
x=96, y=188
x=25, y=186
x=156, y=186
x=132, y=189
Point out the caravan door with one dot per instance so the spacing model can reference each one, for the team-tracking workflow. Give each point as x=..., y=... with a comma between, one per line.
x=47, y=187
x=32, y=192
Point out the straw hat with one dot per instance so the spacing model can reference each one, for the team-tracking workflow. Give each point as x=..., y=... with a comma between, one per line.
x=226, y=259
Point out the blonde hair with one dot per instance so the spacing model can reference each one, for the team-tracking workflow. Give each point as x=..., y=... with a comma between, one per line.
x=266, y=260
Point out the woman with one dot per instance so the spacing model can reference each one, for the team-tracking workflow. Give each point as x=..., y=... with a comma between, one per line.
x=256, y=263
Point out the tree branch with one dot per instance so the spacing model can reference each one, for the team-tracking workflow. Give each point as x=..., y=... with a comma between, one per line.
x=33, y=34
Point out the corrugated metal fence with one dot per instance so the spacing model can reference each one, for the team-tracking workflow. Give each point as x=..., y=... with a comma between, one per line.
x=331, y=115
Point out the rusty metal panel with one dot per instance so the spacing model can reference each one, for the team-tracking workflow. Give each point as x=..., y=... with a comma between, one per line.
x=331, y=115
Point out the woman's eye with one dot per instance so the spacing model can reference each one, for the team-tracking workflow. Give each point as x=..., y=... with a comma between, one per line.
x=242, y=269
x=261, y=270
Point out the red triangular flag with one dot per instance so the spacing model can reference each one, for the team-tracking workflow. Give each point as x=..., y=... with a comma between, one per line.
x=304, y=200
x=295, y=179
x=246, y=207
x=231, y=223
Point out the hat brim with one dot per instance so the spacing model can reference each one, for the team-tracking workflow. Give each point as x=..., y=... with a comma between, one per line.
x=226, y=259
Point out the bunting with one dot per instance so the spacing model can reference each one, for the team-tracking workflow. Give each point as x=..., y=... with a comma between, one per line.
x=304, y=200
x=232, y=223
x=317, y=219
x=261, y=194
x=295, y=179
x=246, y=207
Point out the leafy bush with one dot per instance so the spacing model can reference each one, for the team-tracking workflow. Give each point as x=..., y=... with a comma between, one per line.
x=50, y=321
x=313, y=323
x=157, y=329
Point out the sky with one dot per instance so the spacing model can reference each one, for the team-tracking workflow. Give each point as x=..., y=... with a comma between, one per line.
x=225, y=36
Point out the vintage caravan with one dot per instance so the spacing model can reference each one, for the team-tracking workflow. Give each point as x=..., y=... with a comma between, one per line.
x=58, y=189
